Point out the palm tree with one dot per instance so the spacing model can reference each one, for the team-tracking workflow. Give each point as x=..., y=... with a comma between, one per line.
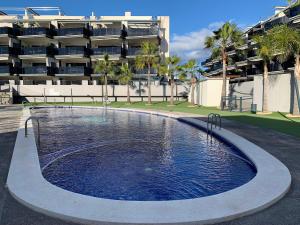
x=125, y=78
x=265, y=50
x=105, y=67
x=218, y=43
x=189, y=70
x=147, y=58
x=287, y=42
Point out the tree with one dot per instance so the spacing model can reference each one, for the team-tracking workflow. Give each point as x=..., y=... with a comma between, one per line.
x=105, y=67
x=148, y=58
x=125, y=78
x=287, y=42
x=170, y=68
x=228, y=34
x=265, y=50
x=189, y=71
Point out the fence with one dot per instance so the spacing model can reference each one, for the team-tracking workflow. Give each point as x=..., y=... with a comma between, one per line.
x=240, y=104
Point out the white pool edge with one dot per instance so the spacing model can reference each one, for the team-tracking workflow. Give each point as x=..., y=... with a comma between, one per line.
x=26, y=183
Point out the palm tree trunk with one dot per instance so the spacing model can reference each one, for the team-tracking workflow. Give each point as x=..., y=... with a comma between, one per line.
x=128, y=94
x=149, y=84
x=193, y=91
x=265, y=88
x=106, y=92
x=223, y=92
x=296, y=106
x=172, y=92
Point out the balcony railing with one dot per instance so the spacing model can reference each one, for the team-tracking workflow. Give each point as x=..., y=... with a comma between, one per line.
x=294, y=11
x=281, y=20
x=6, y=69
x=133, y=51
x=73, y=70
x=107, y=50
x=145, y=71
x=106, y=32
x=37, y=51
x=142, y=31
x=36, y=70
x=73, y=51
x=6, y=30
x=36, y=31
x=72, y=31
x=5, y=50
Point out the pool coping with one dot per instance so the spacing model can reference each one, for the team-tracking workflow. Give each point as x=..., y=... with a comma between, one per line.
x=26, y=183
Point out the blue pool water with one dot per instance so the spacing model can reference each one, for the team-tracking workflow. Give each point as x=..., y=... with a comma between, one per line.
x=135, y=156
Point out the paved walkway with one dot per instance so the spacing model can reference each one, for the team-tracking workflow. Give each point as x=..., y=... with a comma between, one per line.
x=284, y=147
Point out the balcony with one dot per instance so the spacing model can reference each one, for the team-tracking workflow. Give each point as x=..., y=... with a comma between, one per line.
x=133, y=51
x=5, y=51
x=106, y=33
x=113, y=52
x=36, y=52
x=36, y=71
x=142, y=32
x=6, y=32
x=276, y=22
x=6, y=70
x=36, y=32
x=231, y=53
x=294, y=11
x=72, y=71
x=144, y=72
x=207, y=63
x=242, y=62
x=72, y=33
x=72, y=52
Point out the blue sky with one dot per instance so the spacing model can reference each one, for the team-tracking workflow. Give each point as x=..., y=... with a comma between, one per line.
x=191, y=20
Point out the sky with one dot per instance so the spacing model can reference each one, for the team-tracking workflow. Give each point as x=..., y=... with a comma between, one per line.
x=190, y=20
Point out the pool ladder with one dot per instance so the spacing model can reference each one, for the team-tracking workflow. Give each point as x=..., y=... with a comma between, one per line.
x=213, y=120
x=26, y=130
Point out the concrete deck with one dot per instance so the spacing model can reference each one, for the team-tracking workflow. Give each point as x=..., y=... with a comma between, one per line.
x=284, y=147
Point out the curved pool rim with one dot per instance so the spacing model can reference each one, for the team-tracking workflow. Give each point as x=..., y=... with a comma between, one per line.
x=270, y=184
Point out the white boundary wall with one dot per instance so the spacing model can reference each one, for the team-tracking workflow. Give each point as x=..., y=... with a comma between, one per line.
x=62, y=93
x=208, y=92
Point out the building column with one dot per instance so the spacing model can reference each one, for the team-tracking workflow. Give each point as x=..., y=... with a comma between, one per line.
x=12, y=82
x=85, y=82
x=48, y=82
x=21, y=82
x=94, y=82
x=58, y=82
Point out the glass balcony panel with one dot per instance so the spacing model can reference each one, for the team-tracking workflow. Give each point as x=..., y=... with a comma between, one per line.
x=72, y=70
x=294, y=11
x=71, y=31
x=5, y=30
x=142, y=31
x=72, y=50
x=4, y=50
x=107, y=50
x=133, y=51
x=276, y=22
x=145, y=71
x=34, y=51
x=35, y=70
x=35, y=31
x=106, y=31
x=5, y=69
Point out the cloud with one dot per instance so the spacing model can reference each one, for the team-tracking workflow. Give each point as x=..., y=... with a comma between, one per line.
x=191, y=45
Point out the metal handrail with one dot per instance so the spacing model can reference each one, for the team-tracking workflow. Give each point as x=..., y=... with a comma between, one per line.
x=214, y=120
x=38, y=122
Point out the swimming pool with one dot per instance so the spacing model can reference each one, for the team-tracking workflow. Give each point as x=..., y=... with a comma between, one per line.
x=270, y=182
x=135, y=156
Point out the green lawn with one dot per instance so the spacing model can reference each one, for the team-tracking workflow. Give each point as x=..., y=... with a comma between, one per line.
x=276, y=121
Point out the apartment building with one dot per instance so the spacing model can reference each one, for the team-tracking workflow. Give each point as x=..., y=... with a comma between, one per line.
x=41, y=45
x=244, y=63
